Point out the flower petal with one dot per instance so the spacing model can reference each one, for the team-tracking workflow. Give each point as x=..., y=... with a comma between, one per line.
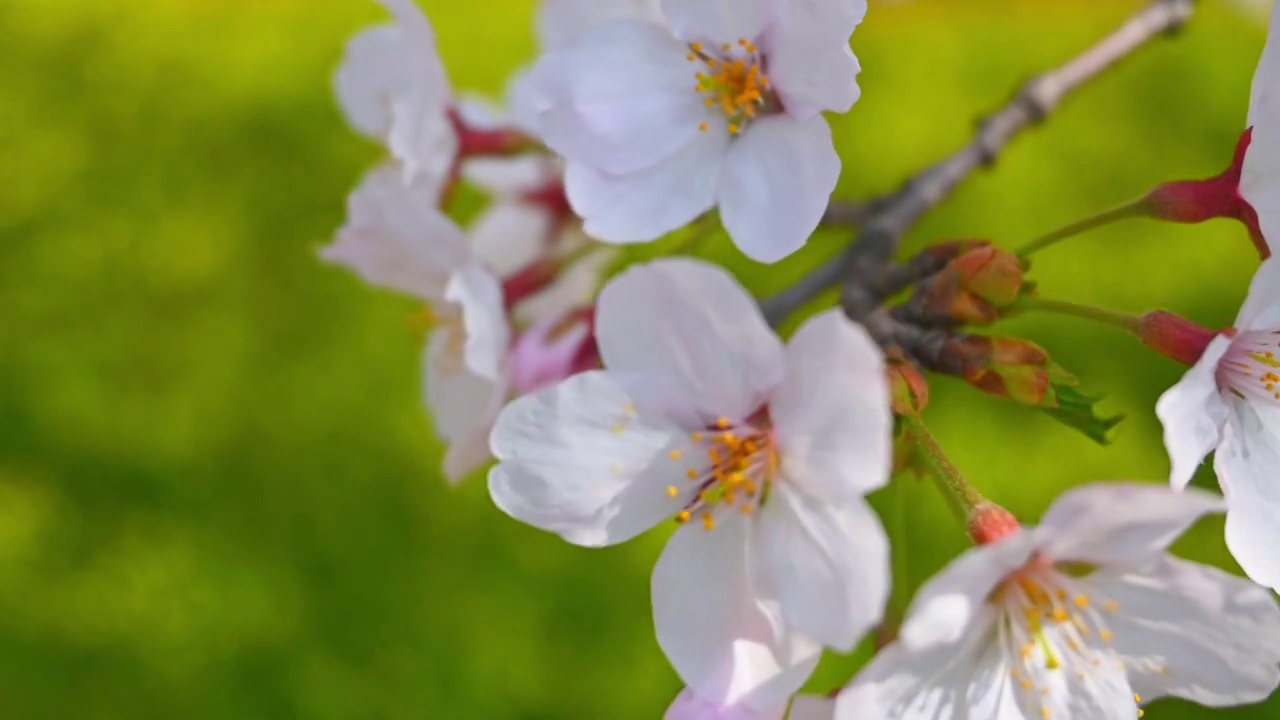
x=929, y=685
x=577, y=459
x=463, y=405
x=560, y=21
x=831, y=412
x=484, y=320
x=948, y=607
x=1193, y=631
x=828, y=565
x=810, y=63
x=374, y=67
x=647, y=204
x=510, y=177
x=1261, y=308
x=395, y=237
x=688, y=706
x=1260, y=175
x=507, y=236
x=719, y=21
x=620, y=97
x=729, y=646
x=1246, y=464
x=1120, y=523
x=1194, y=413
x=688, y=341
x=776, y=182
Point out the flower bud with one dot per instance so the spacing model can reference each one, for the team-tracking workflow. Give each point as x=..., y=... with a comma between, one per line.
x=977, y=287
x=1174, y=337
x=908, y=390
x=990, y=522
x=1007, y=367
x=552, y=350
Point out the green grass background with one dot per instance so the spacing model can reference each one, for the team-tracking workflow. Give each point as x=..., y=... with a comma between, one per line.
x=219, y=495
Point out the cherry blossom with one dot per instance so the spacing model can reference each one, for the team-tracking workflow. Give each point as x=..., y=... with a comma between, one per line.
x=1084, y=617
x=688, y=706
x=393, y=87
x=761, y=453
x=395, y=238
x=718, y=107
x=560, y=21
x=1229, y=402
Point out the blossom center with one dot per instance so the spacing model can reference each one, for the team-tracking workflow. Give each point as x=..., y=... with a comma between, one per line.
x=732, y=80
x=1054, y=635
x=1250, y=368
x=732, y=468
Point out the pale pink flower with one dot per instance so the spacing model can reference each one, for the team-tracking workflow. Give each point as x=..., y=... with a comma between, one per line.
x=1084, y=617
x=763, y=452
x=688, y=706
x=718, y=107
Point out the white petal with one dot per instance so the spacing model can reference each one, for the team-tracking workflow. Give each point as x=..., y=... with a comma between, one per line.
x=688, y=706
x=1193, y=413
x=510, y=177
x=560, y=21
x=620, y=97
x=947, y=607
x=463, y=405
x=507, y=236
x=828, y=565
x=719, y=21
x=649, y=203
x=687, y=340
x=576, y=287
x=777, y=180
x=578, y=460
x=1261, y=309
x=727, y=645
x=375, y=65
x=812, y=707
x=810, y=63
x=395, y=237
x=831, y=412
x=1120, y=523
x=902, y=685
x=1260, y=175
x=1193, y=631
x=422, y=137
x=484, y=319
x=1246, y=466
x=480, y=112
x=992, y=692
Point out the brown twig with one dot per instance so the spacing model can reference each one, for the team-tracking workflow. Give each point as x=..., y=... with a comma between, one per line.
x=867, y=259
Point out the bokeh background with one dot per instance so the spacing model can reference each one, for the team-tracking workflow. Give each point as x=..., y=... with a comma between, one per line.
x=219, y=494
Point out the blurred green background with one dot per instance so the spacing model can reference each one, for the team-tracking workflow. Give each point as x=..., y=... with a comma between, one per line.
x=219, y=495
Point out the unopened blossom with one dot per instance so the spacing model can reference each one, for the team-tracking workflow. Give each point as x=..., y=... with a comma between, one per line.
x=718, y=106
x=1084, y=617
x=1228, y=403
x=760, y=453
x=689, y=706
x=393, y=87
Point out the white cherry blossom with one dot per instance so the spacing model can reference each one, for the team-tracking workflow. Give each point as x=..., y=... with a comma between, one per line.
x=1084, y=617
x=393, y=87
x=395, y=238
x=560, y=21
x=1229, y=403
x=762, y=453
x=718, y=107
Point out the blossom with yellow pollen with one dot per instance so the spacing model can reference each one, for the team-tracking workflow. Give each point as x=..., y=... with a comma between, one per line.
x=717, y=104
x=1229, y=403
x=760, y=452
x=1084, y=617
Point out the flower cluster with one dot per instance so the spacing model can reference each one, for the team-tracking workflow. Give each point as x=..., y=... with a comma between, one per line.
x=663, y=396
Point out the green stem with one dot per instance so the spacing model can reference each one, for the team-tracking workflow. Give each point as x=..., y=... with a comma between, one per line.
x=1124, y=321
x=1133, y=209
x=901, y=563
x=964, y=498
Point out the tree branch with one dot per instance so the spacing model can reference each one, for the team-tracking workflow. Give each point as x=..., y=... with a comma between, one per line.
x=871, y=253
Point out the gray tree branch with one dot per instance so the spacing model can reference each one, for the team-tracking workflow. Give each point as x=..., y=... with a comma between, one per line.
x=861, y=268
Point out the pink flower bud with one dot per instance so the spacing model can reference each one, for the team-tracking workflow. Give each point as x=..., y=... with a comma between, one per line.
x=989, y=523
